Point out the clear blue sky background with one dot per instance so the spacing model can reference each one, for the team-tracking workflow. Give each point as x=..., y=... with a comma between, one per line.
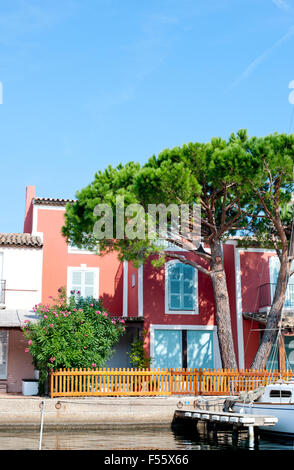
x=87, y=83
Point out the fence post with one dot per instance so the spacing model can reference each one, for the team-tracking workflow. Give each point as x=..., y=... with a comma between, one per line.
x=170, y=381
x=196, y=380
x=51, y=384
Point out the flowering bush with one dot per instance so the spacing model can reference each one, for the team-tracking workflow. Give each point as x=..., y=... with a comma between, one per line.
x=74, y=332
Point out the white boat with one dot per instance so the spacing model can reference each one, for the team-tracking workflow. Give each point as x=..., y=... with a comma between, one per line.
x=276, y=400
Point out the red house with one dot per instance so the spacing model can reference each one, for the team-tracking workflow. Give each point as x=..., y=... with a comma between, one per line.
x=173, y=304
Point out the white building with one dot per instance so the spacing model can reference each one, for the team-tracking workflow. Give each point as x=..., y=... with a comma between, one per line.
x=20, y=289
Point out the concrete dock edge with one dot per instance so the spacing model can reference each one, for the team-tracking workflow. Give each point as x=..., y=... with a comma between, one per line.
x=90, y=412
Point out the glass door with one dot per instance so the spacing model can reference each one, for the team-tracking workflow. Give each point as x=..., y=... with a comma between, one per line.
x=3, y=354
x=199, y=349
x=168, y=349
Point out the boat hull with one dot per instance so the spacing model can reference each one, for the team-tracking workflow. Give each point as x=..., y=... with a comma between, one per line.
x=283, y=411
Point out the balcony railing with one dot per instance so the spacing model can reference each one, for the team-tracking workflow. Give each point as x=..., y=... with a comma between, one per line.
x=2, y=291
x=267, y=292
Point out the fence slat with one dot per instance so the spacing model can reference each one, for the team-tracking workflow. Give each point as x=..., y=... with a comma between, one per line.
x=148, y=382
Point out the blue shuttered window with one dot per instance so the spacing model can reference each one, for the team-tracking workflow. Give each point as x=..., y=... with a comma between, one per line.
x=181, y=287
x=289, y=352
x=275, y=269
x=273, y=359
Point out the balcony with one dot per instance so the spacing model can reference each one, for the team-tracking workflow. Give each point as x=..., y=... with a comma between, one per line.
x=2, y=293
x=266, y=295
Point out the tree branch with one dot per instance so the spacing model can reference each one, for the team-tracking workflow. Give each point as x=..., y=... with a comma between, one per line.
x=184, y=260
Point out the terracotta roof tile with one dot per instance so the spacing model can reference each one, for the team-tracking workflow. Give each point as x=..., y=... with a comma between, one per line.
x=20, y=239
x=49, y=201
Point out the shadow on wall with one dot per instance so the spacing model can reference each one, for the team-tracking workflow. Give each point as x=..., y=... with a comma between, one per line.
x=154, y=303
x=254, y=273
x=120, y=358
x=114, y=303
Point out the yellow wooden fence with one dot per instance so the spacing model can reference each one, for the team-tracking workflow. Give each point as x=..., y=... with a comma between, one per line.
x=152, y=382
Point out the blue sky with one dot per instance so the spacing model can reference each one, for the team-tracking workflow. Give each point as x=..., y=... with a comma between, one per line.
x=88, y=83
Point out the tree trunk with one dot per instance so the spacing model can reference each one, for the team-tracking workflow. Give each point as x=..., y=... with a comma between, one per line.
x=222, y=307
x=274, y=315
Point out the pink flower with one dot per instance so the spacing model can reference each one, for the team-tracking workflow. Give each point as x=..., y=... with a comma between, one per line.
x=46, y=316
x=91, y=305
x=94, y=365
x=98, y=312
x=30, y=342
x=26, y=350
x=51, y=325
x=52, y=359
x=104, y=314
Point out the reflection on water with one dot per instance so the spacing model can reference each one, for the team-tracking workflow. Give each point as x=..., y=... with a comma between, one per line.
x=132, y=438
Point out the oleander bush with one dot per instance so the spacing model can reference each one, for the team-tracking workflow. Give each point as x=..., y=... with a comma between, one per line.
x=73, y=332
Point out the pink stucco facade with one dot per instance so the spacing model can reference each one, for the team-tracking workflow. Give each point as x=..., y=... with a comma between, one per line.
x=57, y=258
x=140, y=294
x=20, y=364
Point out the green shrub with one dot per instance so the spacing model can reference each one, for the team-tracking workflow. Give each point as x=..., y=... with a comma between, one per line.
x=138, y=356
x=73, y=333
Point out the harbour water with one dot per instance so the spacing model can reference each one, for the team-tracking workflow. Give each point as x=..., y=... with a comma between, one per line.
x=133, y=438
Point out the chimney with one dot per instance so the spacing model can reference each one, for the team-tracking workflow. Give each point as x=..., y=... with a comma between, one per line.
x=28, y=221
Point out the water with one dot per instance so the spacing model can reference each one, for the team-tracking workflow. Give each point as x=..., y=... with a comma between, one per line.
x=133, y=438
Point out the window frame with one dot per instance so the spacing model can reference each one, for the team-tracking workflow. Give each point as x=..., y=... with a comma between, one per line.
x=4, y=340
x=168, y=311
x=83, y=269
x=280, y=393
x=215, y=344
x=274, y=263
